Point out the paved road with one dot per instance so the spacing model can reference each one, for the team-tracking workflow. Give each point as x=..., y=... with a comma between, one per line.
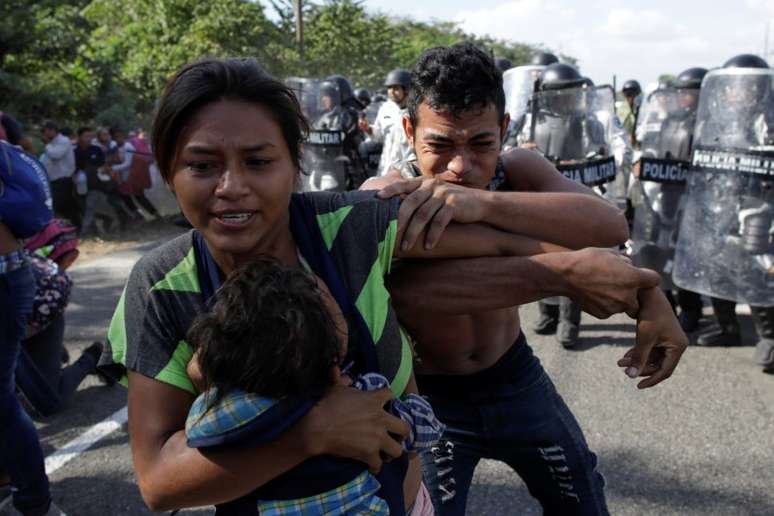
x=701, y=444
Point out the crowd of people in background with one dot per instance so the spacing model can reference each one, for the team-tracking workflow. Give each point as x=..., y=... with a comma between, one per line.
x=98, y=177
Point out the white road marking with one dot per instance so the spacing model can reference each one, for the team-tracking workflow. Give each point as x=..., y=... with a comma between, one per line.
x=85, y=441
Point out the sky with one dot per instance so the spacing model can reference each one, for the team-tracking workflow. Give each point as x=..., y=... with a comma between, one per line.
x=631, y=39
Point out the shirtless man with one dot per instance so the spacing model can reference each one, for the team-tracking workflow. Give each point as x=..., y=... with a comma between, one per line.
x=473, y=361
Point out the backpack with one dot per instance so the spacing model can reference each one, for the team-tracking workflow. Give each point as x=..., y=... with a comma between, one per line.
x=25, y=197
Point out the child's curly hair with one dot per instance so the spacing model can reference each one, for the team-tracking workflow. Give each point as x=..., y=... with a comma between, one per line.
x=268, y=333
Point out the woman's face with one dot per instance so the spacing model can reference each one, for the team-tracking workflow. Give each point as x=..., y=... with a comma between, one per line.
x=233, y=177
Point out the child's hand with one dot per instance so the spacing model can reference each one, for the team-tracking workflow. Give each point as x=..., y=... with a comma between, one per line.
x=660, y=340
x=194, y=373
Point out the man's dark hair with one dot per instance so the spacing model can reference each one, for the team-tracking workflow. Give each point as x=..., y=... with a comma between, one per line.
x=50, y=124
x=268, y=333
x=456, y=79
x=82, y=130
x=211, y=80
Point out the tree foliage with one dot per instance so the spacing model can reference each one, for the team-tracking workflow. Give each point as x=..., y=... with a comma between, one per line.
x=105, y=61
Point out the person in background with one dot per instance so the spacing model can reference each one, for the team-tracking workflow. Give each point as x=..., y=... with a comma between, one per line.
x=59, y=160
x=132, y=169
x=102, y=199
x=12, y=132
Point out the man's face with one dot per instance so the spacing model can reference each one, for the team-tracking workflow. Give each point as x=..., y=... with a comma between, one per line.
x=326, y=102
x=84, y=140
x=630, y=96
x=461, y=150
x=48, y=134
x=396, y=94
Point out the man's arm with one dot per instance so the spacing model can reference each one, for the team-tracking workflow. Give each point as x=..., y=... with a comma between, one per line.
x=603, y=282
x=552, y=209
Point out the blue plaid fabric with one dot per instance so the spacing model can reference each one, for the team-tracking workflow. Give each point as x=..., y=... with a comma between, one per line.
x=357, y=497
x=235, y=410
x=424, y=428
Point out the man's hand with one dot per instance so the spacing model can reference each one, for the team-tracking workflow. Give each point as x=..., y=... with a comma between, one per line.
x=432, y=204
x=660, y=341
x=604, y=282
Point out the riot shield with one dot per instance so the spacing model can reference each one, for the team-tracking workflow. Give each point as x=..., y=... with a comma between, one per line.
x=519, y=85
x=573, y=128
x=725, y=247
x=324, y=162
x=665, y=130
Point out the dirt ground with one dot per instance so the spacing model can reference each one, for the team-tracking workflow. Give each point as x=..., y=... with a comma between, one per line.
x=92, y=247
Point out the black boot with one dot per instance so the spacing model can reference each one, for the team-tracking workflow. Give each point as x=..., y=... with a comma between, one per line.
x=690, y=309
x=764, y=325
x=549, y=318
x=569, y=323
x=726, y=333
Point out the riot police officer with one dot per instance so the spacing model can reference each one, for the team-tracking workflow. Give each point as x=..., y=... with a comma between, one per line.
x=388, y=127
x=665, y=132
x=563, y=126
x=629, y=109
x=725, y=246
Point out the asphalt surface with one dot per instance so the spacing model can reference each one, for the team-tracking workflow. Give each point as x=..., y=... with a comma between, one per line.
x=702, y=443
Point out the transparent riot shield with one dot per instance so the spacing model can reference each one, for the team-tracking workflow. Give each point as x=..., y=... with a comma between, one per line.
x=665, y=130
x=519, y=85
x=724, y=248
x=573, y=128
x=325, y=164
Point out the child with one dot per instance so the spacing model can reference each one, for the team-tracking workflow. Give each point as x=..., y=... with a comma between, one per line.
x=272, y=344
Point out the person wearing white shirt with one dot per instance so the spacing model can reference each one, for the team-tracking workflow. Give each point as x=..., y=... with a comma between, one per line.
x=60, y=166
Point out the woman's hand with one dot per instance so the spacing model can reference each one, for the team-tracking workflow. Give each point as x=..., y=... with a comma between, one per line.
x=353, y=424
x=660, y=340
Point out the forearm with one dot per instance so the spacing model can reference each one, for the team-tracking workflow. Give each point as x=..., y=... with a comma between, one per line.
x=185, y=477
x=476, y=240
x=573, y=220
x=479, y=284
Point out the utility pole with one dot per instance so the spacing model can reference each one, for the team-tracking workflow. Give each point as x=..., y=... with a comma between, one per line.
x=298, y=7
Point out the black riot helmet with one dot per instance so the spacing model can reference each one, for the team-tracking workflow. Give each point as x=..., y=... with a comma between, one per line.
x=345, y=88
x=746, y=61
x=559, y=76
x=632, y=86
x=690, y=78
x=363, y=95
x=503, y=64
x=399, y=77
x=544, y=59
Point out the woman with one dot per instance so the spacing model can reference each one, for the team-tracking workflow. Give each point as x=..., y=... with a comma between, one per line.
x=227, y=139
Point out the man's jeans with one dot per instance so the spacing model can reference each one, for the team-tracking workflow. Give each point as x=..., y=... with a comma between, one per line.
x=19, y=446
x=510, y=412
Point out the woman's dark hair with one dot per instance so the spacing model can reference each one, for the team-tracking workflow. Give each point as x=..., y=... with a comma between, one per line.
x=456, y=79
x=268, y=333
x=203, y=82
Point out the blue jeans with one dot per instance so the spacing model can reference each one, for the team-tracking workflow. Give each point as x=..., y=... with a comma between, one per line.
x=20, y=448
x=510, y=412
